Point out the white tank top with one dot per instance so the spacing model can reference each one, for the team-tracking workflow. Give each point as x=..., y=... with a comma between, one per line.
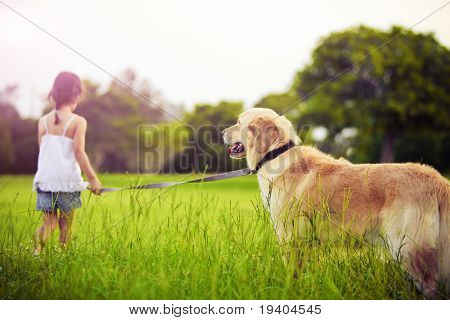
x=58, y=169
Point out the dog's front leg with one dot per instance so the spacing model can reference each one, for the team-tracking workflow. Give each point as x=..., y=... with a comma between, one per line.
x=289, y=232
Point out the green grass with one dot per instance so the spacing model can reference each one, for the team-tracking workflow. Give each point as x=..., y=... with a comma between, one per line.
x=208, y=241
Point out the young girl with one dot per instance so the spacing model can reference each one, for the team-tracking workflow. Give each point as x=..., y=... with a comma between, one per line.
x=58, y=181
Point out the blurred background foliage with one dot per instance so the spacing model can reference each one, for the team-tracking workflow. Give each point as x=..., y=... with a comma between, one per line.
x=392, y=106
x=397, y=100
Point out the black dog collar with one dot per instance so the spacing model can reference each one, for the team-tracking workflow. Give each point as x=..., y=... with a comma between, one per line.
x=273, y=154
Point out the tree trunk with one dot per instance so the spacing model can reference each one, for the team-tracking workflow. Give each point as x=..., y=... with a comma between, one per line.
x=387, y=151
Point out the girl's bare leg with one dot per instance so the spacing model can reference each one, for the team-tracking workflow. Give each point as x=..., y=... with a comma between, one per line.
x=65, y=227
x=50, y=221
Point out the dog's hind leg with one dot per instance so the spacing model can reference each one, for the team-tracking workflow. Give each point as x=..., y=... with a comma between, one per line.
x=423, y=266
x=413, y=235
x=444, y=241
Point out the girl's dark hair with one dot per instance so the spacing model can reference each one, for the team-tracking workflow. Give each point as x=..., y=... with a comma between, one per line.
x=66, y=88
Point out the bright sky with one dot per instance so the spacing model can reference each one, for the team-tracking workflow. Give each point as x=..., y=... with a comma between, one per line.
x=192, y=51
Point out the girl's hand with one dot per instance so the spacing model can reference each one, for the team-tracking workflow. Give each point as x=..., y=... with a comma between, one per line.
x=95, y=185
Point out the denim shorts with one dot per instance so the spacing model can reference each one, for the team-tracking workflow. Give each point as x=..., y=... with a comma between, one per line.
x=64, y=201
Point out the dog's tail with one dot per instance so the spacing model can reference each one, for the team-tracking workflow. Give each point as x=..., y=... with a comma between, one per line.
x=444, y=237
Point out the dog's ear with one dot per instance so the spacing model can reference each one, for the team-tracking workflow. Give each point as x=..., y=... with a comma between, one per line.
x=262, y=134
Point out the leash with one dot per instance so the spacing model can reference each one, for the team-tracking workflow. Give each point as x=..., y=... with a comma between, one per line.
x=159, y=185
x=222, y=176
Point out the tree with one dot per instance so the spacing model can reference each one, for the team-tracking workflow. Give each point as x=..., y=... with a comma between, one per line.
x=204, y=149
x=114, y=118
x=400, y=90
x=225, y=113
x=6, y=147
x=279, y=102
x=19, y=149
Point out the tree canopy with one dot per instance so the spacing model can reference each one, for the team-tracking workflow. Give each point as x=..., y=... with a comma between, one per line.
x=204, y=150
x=392, y=86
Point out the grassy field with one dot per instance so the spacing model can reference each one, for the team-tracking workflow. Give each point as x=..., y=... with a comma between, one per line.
x=208, y=241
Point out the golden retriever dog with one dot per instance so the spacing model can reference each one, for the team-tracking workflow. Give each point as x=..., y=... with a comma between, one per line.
x=408, y=204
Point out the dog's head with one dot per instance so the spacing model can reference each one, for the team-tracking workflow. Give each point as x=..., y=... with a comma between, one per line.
x=257, y=132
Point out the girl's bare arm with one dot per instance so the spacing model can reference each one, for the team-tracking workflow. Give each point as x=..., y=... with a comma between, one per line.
x=81, y=156
x=41, y=130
